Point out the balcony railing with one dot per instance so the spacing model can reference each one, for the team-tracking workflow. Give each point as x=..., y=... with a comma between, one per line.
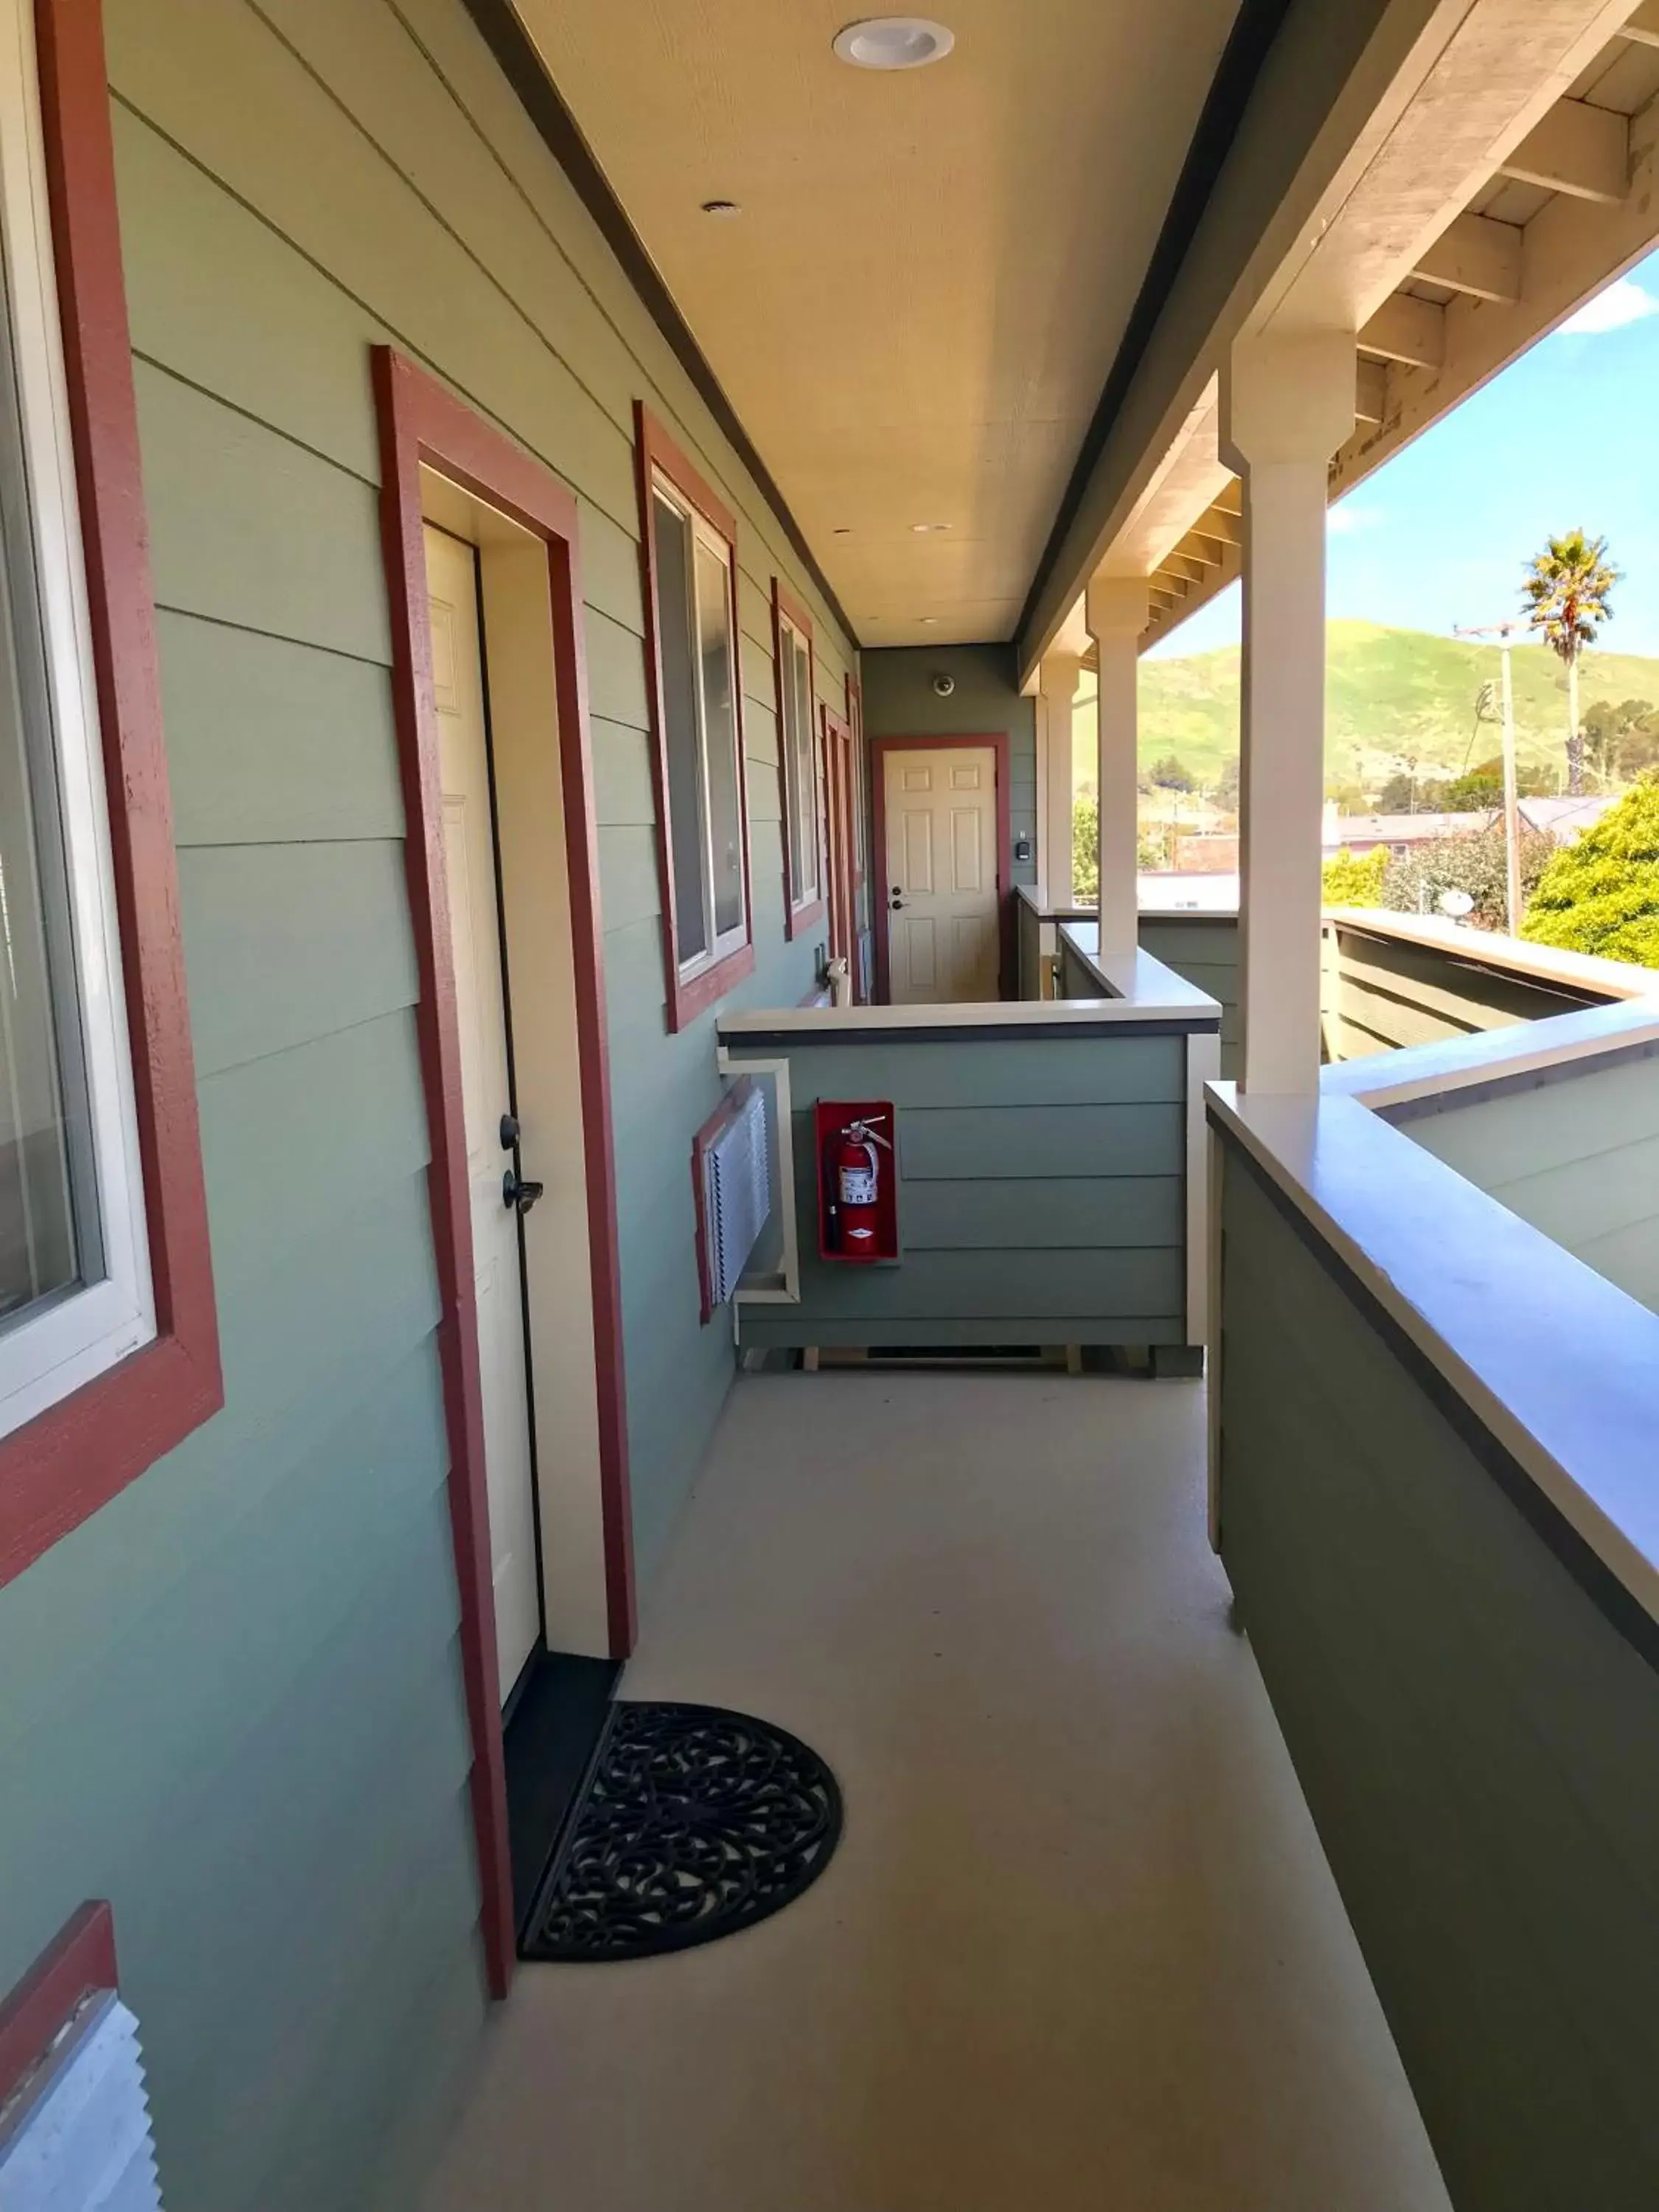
x=1434, y=1483
x=1048, y=1157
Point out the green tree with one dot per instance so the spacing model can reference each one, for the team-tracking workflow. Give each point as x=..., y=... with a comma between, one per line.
x=1355, y=879
x=1170, y=775
x=1226, y=786
x=1620, y=742
x=1474, y=862
x=1601, y=895
x=1085, y=850
x=1565, y=593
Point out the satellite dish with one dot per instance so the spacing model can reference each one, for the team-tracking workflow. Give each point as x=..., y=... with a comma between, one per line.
x=1456, y=903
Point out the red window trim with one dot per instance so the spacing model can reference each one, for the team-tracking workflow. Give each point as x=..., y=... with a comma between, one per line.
x=422, y=423
x=854, y=697
x=656, y=452
x=79, y=1957
x=61, y=1467
x=796, y=919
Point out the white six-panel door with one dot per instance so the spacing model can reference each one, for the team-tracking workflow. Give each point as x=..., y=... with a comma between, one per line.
x=475, y=932
x=941, y=886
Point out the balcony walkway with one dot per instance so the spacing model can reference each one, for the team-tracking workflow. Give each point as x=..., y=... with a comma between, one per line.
x=1080, y=1947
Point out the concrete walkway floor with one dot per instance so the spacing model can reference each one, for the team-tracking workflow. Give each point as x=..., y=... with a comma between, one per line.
x=1079, y=1950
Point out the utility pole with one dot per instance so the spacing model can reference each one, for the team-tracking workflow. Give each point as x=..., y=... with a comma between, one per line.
x=1504, y=633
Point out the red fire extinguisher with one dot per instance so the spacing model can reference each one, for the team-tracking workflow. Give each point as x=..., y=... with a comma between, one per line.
x=854, y=1170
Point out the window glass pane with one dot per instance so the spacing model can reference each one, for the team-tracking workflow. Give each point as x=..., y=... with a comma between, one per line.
x=805, y=821
x=719, y=723
x=49, y=1235
x=672, y=536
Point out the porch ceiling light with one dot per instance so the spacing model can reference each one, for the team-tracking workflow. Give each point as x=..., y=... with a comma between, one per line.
x=894, y=42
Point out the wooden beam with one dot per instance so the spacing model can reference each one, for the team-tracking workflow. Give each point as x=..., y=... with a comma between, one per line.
x=1371, y=390
x=1474, y=255
x=1226, y=523
x=1407, y=330
x=1185, y=565
x=1643, y=28
x=1230, y=501
x=1578, y=149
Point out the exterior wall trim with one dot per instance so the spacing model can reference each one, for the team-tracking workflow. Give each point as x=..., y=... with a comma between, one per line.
x=1001, y=745
x=686, y=998
x=785, y=607
x=61, y=1467
x=79, y=1957
x=423, y=424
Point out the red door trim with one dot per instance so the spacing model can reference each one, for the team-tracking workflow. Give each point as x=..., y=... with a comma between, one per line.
x=422, y=423
x=61, y=1467
x=880, y=748
x=79, y=1957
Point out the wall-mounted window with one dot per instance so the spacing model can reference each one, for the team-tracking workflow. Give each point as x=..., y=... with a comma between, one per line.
x=108, y=1336
x=799, y=764
x=690, y=540
x=74, y=1286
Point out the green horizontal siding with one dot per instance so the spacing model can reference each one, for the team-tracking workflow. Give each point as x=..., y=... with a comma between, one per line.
x=1050, y=1208
x=233, y=1696
x=1479, y=1744
x=1577, y=1156
x=1018, y=1142
x=1204, y=950
x=1391, y=994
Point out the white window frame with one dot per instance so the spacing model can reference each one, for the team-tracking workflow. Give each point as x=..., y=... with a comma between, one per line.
x=814, y=893
x=46, y=1358
x=720, y=946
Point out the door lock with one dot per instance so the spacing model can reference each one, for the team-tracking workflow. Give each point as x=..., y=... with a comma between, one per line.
x=519, y=1195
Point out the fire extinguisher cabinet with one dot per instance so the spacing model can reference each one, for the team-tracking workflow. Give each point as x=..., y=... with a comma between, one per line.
x=856, y=1146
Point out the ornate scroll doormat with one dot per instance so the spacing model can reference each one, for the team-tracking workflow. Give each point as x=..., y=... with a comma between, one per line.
x=695, y=1822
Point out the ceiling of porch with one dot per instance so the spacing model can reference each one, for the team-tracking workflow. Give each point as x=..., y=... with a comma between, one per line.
x=916, y=307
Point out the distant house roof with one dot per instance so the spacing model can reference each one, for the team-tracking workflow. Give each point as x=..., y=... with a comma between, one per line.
x=1351, y=829
x=1563, y=819
x=1566, y=819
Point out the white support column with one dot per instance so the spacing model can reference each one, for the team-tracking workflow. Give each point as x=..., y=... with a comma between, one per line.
x=1286, y=405
x=1115, y=609
x=1057, y=689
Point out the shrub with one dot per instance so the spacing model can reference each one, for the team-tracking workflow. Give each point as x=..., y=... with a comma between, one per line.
x=1085, y=850
x=1601, y=895
x=1350, y=879
x=1474, y=862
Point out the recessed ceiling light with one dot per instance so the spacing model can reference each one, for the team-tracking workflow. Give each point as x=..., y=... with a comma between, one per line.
x=927, y=621
x=921, y=528
x=894, y=42
x=726, y=207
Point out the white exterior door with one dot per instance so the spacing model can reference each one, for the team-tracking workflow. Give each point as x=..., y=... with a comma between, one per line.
x=475, y=934
x=942, y=894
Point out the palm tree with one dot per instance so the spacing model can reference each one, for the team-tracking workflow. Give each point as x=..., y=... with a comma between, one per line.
x=1565, y=593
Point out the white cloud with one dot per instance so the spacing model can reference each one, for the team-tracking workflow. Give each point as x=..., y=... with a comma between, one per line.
x=1625, y=301
x=1342, y=521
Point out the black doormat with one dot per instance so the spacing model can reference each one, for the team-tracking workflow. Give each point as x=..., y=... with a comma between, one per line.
x=697, y=1822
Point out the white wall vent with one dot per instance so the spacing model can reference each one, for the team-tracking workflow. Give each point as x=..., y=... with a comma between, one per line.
x=738, y=1191
x=74, y=2136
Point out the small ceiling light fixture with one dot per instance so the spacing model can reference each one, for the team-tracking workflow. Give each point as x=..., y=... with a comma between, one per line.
x=922, y=528
x=723, y=208
x=893, y=42
x=927, y=621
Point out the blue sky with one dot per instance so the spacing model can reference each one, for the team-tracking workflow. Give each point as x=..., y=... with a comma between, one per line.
x=1568, y=435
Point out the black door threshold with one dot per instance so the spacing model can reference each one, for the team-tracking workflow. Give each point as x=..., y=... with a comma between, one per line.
x=557, y=1716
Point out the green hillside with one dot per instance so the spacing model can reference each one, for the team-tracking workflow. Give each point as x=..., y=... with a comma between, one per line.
x=1390, y=694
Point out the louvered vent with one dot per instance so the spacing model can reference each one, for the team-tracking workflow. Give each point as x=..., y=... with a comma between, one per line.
x=737, y=1193
x=76, y=2137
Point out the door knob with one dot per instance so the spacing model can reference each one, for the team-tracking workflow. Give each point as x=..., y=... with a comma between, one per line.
x=895, y=903
x=519, y=1195
x=509, y=1132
